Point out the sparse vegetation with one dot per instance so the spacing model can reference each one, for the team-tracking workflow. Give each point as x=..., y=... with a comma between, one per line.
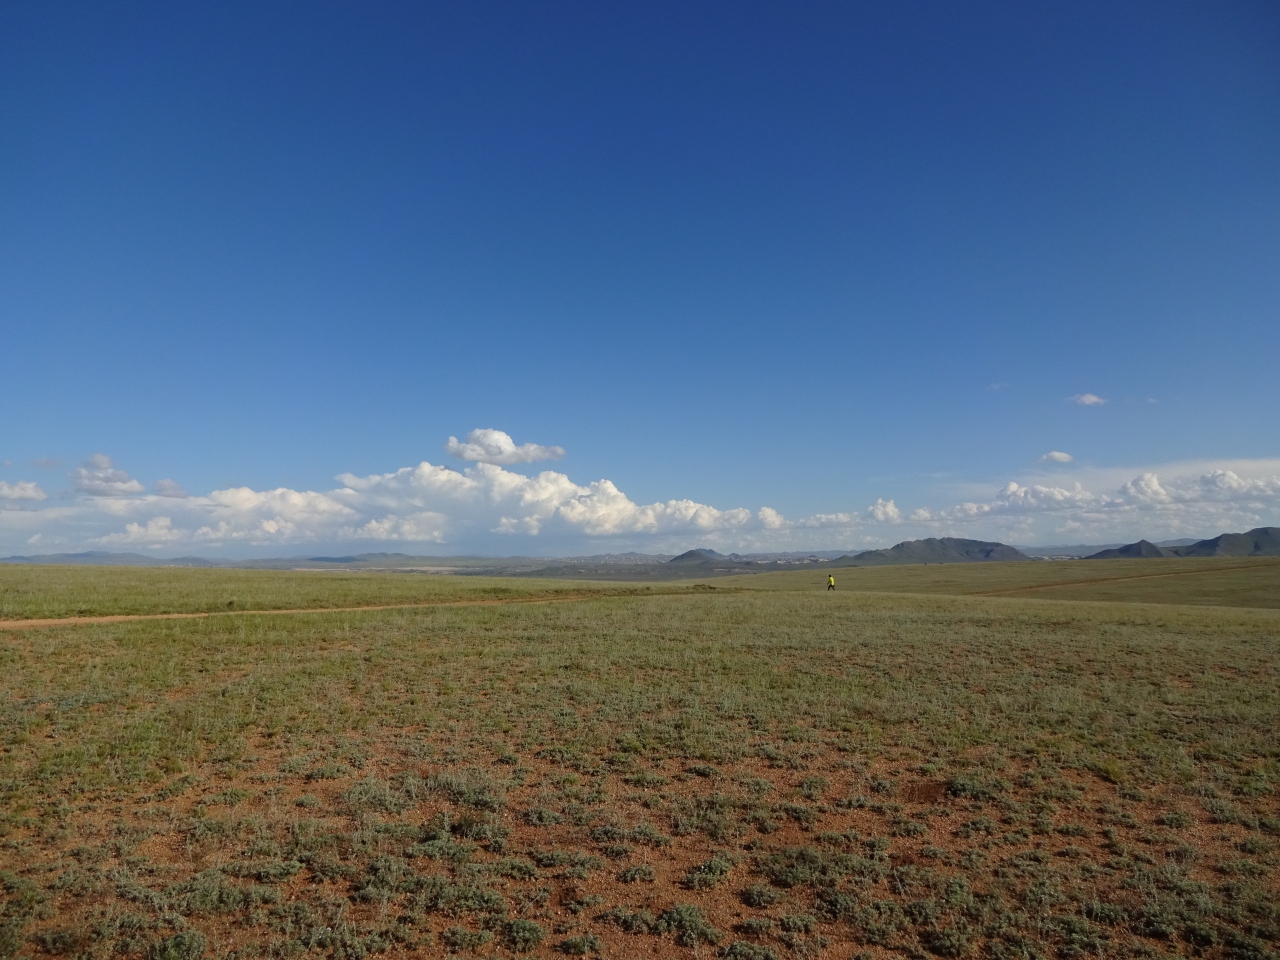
x=950, y=776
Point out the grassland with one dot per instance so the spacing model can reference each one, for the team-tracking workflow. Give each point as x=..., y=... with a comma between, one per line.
x=35, y=591
x=751, y=768
x=1216, y=581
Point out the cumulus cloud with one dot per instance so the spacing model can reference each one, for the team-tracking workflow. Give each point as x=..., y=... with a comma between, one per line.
x=485, y=503
x=771, y=519
x=22, y=490
x=1201, y=503
x=98, y=477
x=1087, y=399
x=885, y=511
x=495, y=446
x=170, y=488
x=1216, y=486
x=1055, y=456
x=520, y=504
x=156, y=531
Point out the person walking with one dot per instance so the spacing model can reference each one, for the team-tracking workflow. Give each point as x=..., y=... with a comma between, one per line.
x=831, y=582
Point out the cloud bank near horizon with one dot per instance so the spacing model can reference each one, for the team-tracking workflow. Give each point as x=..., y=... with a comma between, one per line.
x=438, y=507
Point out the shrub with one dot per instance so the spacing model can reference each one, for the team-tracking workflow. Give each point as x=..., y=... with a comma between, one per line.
x=798, y=923
x=265, y=871
x=581, y=945
x=971, y=787
x=706, y=875
x=812, y=788
x=209, y=892
x=440, y=895
x=469, y=787
x=742, y=950
x=953, y=941
x=797, y=866
x=648, y=835
x=522, y=935
x=688, y=924
x=542, y=817
x=375, y=795
x=458, y=939
x=761, y=895
x=188, y=945
x=756, y=926
x=641, y=921
x=640, y=873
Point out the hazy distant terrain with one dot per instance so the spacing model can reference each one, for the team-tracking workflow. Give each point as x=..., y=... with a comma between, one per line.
x=699, y=563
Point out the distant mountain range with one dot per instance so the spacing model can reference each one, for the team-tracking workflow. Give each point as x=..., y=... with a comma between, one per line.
x=1258, y=542
x=1068, y=550
x=102, y=558
x=944, y=550
x=704, y=562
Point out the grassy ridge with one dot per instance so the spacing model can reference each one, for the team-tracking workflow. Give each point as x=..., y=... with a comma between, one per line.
x=763, y=773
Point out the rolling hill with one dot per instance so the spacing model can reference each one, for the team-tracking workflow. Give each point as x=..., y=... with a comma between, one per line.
x=1143, y=548
x=1258, y=542
x=934, y=550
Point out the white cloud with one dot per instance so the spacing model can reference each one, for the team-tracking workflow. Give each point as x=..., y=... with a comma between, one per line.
x=155, y=532
x=483, y=504
x=1217, y=486
x=885, y=511
x=424, y=527
x=47, y=463
x=1087, y=399
x=494, y=446
x=771, y=519
x=1055, y=456
x=170, y=488
x=22, y=490
x=280, y=515
x=520, y=504
x=1177, y=500
x=98, y=478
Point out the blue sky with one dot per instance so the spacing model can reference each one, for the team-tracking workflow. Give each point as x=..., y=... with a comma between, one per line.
x=760, y=270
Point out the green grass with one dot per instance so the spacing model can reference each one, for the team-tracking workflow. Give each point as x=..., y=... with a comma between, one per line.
x=1216, y=581
x=759, y=772
x=30, y=591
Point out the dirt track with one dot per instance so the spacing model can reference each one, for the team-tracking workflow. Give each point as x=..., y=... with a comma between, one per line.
x=1090, y=582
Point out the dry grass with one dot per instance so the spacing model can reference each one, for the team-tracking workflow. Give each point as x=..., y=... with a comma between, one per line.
x=31, y=591
x=1200, y=581
x=749, y=773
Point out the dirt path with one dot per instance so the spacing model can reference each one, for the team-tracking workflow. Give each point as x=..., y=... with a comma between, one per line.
x=1087, y=582
x=128, y=617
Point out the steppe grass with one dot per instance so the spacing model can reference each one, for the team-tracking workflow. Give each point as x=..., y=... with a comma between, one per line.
x=748, y=773
x=34, y=591
x=1199, y=581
